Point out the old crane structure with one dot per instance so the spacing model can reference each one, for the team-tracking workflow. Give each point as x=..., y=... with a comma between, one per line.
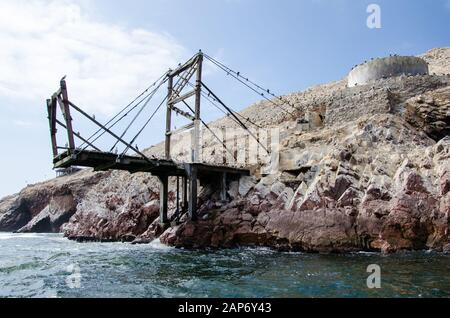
x=188, y=174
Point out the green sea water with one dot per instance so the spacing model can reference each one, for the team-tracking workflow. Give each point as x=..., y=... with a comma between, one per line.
x=48, y=265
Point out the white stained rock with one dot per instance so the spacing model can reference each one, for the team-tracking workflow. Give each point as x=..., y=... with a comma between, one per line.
x=151, y=203
x=299, y=193
x=286, y=195
x=245, y=185
x=278, y=188
x=262, y=189
x=255, y=200
x=402, y=173
x=268, y=181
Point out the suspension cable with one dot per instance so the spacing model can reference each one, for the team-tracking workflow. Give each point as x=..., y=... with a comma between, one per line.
x=152, y=94
x=82, y=112
x=124, y=115
x=213, y=101
x=240, y=78
x=237, y=119
x=212, y=132
x=205, y=124
x=251, y=82
x=145, y=125
x=258, y=93
x=157, y=109
x=211, y=97
x=124, y=109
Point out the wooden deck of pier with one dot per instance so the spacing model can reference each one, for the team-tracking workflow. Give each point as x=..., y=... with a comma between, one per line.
x=190, y=174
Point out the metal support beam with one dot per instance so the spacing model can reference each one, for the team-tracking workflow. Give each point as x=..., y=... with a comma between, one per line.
x=184, y=79
x=178, y=211
x=195, y=142
x=169, y=117
x=183, y=97
x=183, y=67
x=78, y=136
x=184, y=73
x=198, y=86
x=182, y=113
x=51, y=109
x=82, y=112
x=198, y=96
x=66, y=113
x=163, y=198
x=185, y=127
x=185, y=194
x=223, y=187
x=193, y=183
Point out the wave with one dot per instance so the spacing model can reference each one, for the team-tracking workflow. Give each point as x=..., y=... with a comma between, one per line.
x=9, y=236
x=157, y=245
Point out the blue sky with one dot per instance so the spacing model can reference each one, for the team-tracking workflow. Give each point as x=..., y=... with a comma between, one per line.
x=110, y=50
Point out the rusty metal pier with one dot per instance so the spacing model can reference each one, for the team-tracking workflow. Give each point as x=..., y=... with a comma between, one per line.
x=189, y=174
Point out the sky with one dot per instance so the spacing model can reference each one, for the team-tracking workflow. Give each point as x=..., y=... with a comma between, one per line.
x=111, y=50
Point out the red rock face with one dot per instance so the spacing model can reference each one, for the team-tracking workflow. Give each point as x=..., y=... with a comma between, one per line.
x=58, y=211
x=117, y=211
x=124, y=226
x=45, y=207
x=412, y=219
x=339, y=216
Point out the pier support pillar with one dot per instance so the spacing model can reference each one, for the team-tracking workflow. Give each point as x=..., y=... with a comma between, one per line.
x=178, y=210
x=185, y=194
x=223, y=187
x=193, y=183
x=163, y=198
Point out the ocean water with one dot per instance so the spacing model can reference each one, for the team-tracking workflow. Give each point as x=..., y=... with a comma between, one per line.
x=48, y=265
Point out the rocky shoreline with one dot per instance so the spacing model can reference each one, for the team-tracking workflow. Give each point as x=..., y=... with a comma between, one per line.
x=334, y=214
x=374, y=175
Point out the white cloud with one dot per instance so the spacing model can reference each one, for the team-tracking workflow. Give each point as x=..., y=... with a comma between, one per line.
x=105, y=64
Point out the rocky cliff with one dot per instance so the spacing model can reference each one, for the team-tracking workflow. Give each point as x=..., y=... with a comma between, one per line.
x=46, y=206
x=370, y=170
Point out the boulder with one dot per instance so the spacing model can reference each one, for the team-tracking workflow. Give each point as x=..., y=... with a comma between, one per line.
x=245, y=185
